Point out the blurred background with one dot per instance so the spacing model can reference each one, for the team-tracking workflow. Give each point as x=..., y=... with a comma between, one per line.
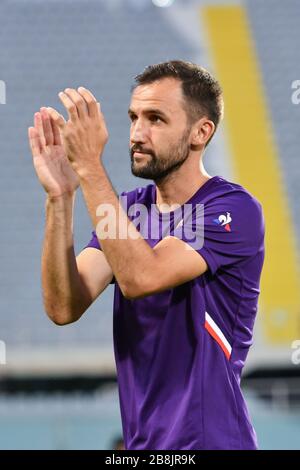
x=57, y=384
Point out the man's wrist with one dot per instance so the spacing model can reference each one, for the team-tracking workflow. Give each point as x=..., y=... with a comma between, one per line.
x=61, y=199
x=90, y=172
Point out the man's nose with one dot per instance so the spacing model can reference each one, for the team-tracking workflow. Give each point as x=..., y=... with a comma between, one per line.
x=138, y=133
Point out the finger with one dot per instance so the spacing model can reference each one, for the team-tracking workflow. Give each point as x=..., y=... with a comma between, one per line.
x=55, y=129
x=103, y=123
x=34, y=142
x=69, y=105
x=99, y=109
x=90, y=101
x=79, y=102
x=38, y=124
x=57, y=119
x=48, y=133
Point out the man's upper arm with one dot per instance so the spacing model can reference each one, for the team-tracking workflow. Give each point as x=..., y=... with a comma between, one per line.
x=94, y=271
x=225, y=244
x=175, y=263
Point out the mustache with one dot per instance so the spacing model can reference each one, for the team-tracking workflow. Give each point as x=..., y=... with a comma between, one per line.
x=138, y=148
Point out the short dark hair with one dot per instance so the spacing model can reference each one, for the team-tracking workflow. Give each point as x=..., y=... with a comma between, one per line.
x=202, y=92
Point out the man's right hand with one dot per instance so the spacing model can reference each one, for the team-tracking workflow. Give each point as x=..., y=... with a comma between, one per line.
x=49, y=159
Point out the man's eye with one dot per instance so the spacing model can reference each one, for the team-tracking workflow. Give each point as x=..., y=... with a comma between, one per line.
x=155, y=118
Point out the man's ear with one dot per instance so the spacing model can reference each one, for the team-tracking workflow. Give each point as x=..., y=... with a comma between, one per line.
x=202, y=131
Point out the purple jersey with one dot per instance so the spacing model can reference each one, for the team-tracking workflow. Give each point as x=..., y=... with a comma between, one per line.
x=179, y=353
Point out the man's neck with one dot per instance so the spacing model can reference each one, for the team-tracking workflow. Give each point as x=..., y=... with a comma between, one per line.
x=180, y=186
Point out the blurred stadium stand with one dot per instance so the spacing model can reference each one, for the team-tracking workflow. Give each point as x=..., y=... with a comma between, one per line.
x=41, y=53
x=45, y=46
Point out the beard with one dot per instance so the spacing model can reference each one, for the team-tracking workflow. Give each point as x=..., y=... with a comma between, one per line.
x=161, y=165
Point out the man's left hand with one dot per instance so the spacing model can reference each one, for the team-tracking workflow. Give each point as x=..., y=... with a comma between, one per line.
x=84, y=134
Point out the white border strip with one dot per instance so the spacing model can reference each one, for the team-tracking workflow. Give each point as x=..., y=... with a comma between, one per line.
x=218, y=332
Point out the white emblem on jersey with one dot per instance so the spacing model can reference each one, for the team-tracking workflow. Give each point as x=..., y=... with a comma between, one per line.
x=225, y=219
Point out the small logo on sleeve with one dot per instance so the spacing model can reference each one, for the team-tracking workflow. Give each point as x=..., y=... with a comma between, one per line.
x=224, y=221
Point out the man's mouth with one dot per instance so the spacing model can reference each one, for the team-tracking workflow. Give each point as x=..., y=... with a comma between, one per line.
x=140, y=154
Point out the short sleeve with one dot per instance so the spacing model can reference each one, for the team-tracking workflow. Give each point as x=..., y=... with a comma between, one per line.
x=94, y=243
x=229, y=230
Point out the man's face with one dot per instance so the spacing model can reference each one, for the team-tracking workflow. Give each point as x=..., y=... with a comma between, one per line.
x=159, y=133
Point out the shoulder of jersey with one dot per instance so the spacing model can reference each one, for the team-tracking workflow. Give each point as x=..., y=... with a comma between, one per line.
x=230, y=190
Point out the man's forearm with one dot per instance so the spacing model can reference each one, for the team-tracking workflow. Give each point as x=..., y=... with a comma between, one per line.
x=126, y=251
x=60, y=279
x=85, y=136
